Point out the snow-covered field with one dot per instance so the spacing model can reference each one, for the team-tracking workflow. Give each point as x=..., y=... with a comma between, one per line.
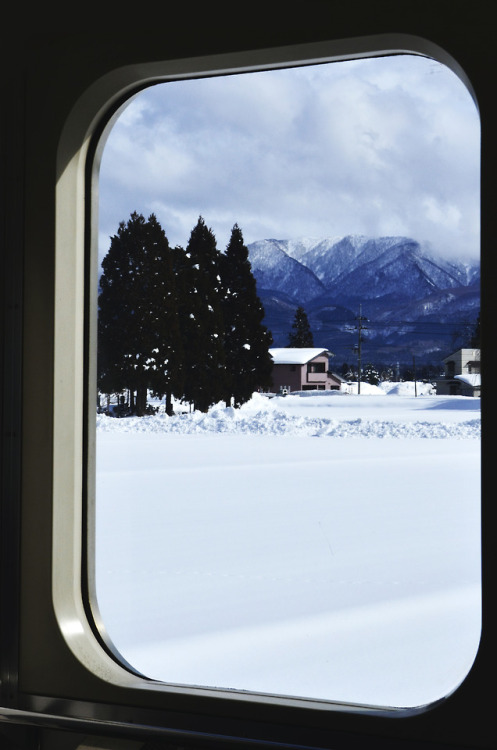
x=317, y=545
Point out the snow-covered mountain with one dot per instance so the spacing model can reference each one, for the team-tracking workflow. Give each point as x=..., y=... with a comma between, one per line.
x=394, y=281
x=274, y=267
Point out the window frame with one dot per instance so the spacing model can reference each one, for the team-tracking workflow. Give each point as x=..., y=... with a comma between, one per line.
x=67, y=668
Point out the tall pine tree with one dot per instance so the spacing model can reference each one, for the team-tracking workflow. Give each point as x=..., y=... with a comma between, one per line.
x=203, y=321
x=167, y=355
x=301, y=334
x=139, y=345
x=246, y=341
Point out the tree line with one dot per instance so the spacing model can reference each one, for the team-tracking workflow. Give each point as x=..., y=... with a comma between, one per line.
x=182, y=323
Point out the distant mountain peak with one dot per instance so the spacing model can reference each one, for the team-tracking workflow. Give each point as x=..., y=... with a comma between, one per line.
x=332, y=276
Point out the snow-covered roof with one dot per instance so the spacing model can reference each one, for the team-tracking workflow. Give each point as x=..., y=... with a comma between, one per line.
x=289, y=356
x=464, y=352
x=473, y=379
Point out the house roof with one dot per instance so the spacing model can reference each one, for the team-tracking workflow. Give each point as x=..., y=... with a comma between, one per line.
x=473, y=379
x=476, y=354
x=289, y=356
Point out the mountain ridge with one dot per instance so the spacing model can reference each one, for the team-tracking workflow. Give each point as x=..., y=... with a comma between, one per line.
x=387, y=278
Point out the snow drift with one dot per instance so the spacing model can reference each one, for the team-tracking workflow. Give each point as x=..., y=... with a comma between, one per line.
x=237, y=550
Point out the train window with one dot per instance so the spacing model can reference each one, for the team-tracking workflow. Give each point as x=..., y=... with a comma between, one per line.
x=322, y=544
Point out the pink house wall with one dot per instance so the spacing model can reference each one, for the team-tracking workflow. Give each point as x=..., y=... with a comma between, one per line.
x=296, y=377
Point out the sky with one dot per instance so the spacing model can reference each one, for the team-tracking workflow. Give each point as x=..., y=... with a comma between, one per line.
x=379, y=146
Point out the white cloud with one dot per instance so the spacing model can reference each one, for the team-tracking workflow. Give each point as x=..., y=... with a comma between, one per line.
x=379, y=146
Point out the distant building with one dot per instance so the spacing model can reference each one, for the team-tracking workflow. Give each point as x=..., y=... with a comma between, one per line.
x=305, y=369
x=462, y=375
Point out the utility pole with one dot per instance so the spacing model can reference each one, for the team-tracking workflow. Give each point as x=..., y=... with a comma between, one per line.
x=359, y=328
x=414, y=375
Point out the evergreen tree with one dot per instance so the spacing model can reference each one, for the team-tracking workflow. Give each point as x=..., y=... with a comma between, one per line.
x=203, y=321
x=301, y=334
x=183, y=276
x=139, y=346
x=386, y=373
x=246, y=341
x=166, y=358
x=347, y=371
x=370, y=374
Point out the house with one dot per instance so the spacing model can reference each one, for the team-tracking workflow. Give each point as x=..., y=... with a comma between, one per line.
x=462, y=374
x=305, y=369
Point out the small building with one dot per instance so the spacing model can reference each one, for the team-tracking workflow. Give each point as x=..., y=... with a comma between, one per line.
x=462, y=376
x=305, y=369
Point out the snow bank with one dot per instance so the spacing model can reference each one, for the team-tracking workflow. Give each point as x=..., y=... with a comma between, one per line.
x=343, y=570
x=373, y=414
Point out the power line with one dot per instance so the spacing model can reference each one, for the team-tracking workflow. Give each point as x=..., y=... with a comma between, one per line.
x=454, y=326
x=326, y=330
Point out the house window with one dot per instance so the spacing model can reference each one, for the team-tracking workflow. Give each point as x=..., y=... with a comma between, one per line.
x=315, y=367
